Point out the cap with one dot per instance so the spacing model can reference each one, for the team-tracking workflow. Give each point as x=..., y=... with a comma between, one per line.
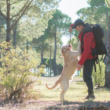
x=78, y=22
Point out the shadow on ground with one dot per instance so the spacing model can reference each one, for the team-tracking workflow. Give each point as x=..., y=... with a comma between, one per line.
x=87, y=105
x=10, y=103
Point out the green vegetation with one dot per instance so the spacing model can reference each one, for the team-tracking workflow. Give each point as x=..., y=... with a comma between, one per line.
x=16, y=71
x=99, y=75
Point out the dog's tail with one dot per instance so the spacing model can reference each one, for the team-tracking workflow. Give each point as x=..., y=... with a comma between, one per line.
x=55, y=85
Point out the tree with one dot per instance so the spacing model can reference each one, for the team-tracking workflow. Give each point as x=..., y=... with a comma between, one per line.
x=107, y=69
x=40, y=45
x=59, y=23
x=15, y=9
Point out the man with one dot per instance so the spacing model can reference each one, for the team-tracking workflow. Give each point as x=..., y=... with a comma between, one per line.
x=86, y=59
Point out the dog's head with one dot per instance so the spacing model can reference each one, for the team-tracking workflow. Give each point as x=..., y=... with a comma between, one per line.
x=65, y=48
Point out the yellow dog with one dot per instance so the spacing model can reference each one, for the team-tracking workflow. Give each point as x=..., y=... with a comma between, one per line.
x=70, y=65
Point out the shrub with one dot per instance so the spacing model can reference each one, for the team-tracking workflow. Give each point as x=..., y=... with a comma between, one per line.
x=99, y=79
x=15, y=71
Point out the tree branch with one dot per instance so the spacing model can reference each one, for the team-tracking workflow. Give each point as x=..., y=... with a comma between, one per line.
x=20, y=16
x=3, y=15
x=20, y=10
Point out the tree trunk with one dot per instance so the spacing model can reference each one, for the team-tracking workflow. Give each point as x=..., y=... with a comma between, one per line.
x=50, y=60
x=107, y=31
x=8, y=22
x=107, y=69
x=0, y=56
x=8, y=36
x=42, y=53
x=54, y=63
x=14, y=36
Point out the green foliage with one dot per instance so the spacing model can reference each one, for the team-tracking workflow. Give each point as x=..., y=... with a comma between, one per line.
x=48, y=62
x=107, y=3
x=59, y=66
x=81, y=73
x=96, y=2
x=99, y=79
x=74, y=43
x=15, y=70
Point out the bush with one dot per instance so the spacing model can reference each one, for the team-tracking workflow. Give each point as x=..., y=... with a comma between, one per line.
x=15, y=71
x=99, y=79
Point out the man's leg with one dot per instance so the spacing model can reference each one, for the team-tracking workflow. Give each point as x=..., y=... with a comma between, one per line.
x=87, y=76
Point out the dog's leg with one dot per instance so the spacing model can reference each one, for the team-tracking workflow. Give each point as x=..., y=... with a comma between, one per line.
x=64, y=85
x=78, y=52
x=79, y=49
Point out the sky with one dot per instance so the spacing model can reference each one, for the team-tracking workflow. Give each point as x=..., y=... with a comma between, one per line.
x=70, y=7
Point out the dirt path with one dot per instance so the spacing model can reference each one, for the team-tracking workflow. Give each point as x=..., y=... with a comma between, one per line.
x=55, y=105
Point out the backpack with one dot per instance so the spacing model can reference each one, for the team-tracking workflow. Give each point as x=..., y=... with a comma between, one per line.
x=100, y=48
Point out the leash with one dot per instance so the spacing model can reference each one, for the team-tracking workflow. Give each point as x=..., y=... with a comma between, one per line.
x=70, y=39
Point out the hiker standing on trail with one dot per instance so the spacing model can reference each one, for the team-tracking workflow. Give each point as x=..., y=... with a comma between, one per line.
x=87, y=42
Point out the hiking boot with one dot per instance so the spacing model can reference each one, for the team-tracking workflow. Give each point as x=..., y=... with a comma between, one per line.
x=87, y=97
x=91, y=96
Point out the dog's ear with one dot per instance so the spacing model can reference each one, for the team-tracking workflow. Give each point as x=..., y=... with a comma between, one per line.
x=65, y=48
x=62, y=49
x=69, y=45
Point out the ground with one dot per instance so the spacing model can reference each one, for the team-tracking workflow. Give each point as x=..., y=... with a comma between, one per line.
x=74, y=98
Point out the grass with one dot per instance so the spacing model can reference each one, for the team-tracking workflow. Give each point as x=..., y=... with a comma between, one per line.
x=76, y=92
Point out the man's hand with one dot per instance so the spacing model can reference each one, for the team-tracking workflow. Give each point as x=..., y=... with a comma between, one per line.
x=70, y=29
x=79, y=67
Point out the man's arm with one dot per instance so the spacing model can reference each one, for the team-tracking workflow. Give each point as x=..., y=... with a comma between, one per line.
x=87, y=45
x=79, y=49
x=70, y=28
x=78, y=52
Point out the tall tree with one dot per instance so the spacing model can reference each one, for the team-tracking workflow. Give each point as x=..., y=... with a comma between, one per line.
x=59, y=23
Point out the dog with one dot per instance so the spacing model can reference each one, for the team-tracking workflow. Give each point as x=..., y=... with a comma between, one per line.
x=70, y=65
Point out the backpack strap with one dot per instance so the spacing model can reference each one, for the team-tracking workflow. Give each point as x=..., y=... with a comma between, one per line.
x=82, y=40
x=94, y=58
